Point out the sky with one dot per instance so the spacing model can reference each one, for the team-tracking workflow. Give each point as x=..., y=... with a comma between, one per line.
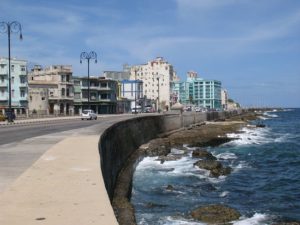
x=251, y=46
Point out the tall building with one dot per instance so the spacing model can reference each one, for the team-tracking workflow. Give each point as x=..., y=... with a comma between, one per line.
x=200, y=92
x=51, y=90
x=157, y=76
x=224, y=98
x=19, y=85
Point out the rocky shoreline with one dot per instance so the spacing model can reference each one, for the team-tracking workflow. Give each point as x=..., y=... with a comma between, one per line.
x=198, y=136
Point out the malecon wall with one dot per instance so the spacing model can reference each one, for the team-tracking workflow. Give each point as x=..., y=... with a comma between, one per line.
x=119, y=141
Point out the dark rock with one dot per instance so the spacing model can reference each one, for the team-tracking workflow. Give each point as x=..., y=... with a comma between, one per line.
x=212, y=142
x=287, y=223
x=215, y=214
x=202, y=153
x=215, y=167
x=162, y=159
x=170, y=188
x=154, y=205
x=159, y=146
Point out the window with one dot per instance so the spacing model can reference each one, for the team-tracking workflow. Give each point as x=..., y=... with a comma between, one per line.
x=23, y=68
x=63, y=92
x=30, y=98
x=22, y=94
x=43, y=98
x=2, y=66
x=103, y=85
x=12, y=68
x=13, y=93
x=2, y=93
x=12, y=80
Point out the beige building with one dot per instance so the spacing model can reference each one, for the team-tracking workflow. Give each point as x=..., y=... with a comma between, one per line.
x=224, y=99
x=51, y=90
x=156, y=76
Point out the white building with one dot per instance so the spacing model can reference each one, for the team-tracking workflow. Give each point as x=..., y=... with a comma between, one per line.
x=156, y=76
x=224, y=98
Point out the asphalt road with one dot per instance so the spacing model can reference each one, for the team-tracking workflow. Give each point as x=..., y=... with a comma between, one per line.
x=19, y=132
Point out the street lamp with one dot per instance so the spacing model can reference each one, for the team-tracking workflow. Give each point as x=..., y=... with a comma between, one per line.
x=135, y=90
x=88, y=56
x=158, y=95
x=10, y=27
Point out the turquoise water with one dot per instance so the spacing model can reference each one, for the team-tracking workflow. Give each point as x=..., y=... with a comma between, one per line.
x=264, y=185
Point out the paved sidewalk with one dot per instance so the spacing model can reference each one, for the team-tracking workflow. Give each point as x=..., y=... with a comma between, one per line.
x=64, y=186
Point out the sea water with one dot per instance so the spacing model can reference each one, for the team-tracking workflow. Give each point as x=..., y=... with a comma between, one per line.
x=264, y=185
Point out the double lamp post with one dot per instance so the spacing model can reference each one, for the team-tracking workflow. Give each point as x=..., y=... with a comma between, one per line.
x=9, y=28
x=88, y=57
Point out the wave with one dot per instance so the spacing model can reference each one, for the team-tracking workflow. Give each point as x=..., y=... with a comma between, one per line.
x=256, y=219
x=270, y=114
x=251, y=135
x=180, y=221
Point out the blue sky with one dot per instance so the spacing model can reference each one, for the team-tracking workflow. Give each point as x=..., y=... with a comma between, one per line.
x=252, y=46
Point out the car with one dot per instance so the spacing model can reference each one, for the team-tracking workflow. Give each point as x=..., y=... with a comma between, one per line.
x=88, y=114
x=137, y=109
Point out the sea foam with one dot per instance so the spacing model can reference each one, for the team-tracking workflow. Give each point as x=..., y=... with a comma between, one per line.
x=256, y=219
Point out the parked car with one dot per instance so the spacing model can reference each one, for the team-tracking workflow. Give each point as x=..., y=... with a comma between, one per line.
x=88, y=114
x=137, y=109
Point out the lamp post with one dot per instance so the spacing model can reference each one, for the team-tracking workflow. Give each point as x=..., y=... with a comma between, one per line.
x=88, y=56
x=158, y=95
x=135, y=90
x=10, y=27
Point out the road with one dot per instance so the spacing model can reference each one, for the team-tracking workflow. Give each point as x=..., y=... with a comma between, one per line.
x=19, y=132
x=22, y=144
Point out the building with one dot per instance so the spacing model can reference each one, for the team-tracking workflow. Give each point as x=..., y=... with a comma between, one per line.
x=157, y=76
x=103, y=95
x=200, y=92
x=224, y=99
x=51, y=90
x=19, y=85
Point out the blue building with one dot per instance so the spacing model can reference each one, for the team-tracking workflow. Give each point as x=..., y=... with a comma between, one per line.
x=19, y=85
x=199, y=92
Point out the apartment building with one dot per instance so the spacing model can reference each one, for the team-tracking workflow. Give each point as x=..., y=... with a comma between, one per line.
x=19, y=85
x=156, y=75
x=103, y=94
x=51, y=90
x=200, y=92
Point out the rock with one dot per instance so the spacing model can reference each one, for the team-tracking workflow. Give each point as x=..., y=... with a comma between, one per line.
x=215, y=167
x=170, y=188
x=159, y=146
x=163, y=158
x=202, y=153
x=215, y=214
x=288, y=223
x=213, y=142
x=154, y=205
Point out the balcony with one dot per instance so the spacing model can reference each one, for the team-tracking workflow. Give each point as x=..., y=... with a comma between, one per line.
x=23, y=98
x=23, y=85
x=3, y=84
x=3, y=98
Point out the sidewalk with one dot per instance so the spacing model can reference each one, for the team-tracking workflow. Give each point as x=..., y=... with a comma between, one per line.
x=64, y=186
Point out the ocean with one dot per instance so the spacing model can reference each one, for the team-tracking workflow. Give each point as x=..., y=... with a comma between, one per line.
x=264, y=185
